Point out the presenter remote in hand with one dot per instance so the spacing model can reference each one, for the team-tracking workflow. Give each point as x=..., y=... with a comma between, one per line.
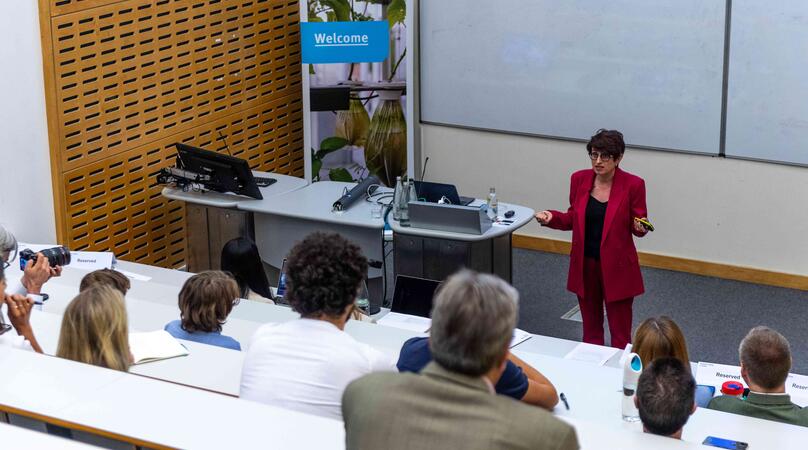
x=605, y=202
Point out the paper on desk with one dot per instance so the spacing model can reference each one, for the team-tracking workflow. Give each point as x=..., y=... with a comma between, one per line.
x=597, y=354
x=519, y=336
x=406, y=322
x=712, y=374
x=134, y=276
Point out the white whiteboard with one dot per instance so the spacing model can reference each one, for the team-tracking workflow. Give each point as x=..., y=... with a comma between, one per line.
x=652, y=69
x=767, y=102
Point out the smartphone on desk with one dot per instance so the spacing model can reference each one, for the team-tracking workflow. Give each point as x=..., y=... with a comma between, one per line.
x=725, y=443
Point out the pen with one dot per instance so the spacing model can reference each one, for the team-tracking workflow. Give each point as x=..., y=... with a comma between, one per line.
x=564, y=399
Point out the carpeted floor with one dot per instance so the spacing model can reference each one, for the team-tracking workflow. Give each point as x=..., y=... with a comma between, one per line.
x=714, y=314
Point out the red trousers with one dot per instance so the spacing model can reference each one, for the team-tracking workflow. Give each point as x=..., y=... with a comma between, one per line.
x=618, y=312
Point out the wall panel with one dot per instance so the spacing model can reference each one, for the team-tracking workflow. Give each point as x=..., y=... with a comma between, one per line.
x=129, y=79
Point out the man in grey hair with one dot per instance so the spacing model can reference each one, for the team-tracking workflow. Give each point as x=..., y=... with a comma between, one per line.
x=452, y=403
x=765, y=362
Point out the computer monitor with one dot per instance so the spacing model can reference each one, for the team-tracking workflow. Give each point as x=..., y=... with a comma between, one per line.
x=413, y=295
x=227, y=173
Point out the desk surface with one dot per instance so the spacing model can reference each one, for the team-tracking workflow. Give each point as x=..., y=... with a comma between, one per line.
x=284, y=184
x=153, y=411
x=522, y=215
x=594, y=395
x=314, y=203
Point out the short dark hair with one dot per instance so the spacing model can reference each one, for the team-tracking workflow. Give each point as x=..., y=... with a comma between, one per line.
x=323, y=273
x=240, y=257
x=666, y=394
x=607, y=141
x=206, y=300
x=108, y=277
x=766, y=355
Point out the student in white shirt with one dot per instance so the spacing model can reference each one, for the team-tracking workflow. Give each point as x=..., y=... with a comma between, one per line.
x=19, y=314
x=306, y=364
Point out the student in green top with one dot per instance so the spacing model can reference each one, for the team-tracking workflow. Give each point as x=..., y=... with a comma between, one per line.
x=765, y=362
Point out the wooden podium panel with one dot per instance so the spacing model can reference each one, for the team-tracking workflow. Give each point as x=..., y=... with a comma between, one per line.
x=126, y=80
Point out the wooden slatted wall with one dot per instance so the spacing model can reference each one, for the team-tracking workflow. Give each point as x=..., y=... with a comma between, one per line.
x=126, y=80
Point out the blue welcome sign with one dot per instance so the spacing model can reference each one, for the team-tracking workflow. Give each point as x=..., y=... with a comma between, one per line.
x=344, y=42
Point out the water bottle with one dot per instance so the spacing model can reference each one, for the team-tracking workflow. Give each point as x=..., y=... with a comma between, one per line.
x=403, y=208
x=412, y=196
x=492, y=204
x=632, y=368
x=397, y=199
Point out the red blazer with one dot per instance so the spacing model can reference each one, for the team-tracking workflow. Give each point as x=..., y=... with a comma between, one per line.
x=618, y=256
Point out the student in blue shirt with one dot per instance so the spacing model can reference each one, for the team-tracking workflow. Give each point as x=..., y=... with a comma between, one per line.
x=205, y=301
x=519, y=380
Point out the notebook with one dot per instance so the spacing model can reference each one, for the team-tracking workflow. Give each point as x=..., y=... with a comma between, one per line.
x=154, y=346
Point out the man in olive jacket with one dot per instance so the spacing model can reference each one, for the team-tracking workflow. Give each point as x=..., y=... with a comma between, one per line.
x=765, y=362
x=452, y=403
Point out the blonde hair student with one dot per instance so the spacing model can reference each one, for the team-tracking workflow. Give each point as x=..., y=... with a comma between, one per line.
x=95, y=329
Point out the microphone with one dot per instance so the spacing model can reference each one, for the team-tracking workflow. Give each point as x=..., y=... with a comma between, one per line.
x=226, y=147
x=423, y=170
x=358, y=192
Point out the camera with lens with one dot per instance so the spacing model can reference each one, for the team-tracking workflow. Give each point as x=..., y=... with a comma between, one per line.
x=57, y=256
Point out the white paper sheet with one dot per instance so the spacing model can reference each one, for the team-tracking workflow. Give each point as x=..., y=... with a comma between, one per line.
x=406, y=322
x=519, y=336
x=596, y=354
x=134, y=276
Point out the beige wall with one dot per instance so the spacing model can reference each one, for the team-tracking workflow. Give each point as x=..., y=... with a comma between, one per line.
x=26, y=194
x=705, y=208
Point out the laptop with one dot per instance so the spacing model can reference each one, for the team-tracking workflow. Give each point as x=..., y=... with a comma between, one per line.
x=413, y=295
x=433, y=192
x=281, y=291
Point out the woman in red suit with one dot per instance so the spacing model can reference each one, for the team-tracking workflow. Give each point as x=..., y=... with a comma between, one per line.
x=605, y=203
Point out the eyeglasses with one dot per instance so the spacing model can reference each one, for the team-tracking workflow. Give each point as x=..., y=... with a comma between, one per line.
x=603, y=156
x=12, y=257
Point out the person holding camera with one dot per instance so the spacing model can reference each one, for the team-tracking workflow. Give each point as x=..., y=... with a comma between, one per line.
x=35, y=274
x=19, y=314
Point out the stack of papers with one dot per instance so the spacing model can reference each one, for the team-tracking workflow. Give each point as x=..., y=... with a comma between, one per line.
x=154, y=346
x=597, y=354
x=422, y=324
x=406, y=322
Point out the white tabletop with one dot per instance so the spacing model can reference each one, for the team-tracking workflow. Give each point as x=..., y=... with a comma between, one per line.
x=154, y=411
x=594, y=395
x=284, y=184
x=314, y=202
x=522, y=215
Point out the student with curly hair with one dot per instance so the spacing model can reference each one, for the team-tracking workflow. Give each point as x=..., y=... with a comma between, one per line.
x=306, y=364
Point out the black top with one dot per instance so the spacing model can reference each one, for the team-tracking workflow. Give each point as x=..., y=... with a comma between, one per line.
x=595, y=215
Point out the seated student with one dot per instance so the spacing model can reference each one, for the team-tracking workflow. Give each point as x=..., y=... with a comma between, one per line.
x=452, y=402
x=19, y=314
x=661, y=337
x=765, y=362
x=519, y=380
x=109, y=277
x=205, y=301
x=305, y=364
x=665, y=397
x=240, y=258
x=95, y=330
